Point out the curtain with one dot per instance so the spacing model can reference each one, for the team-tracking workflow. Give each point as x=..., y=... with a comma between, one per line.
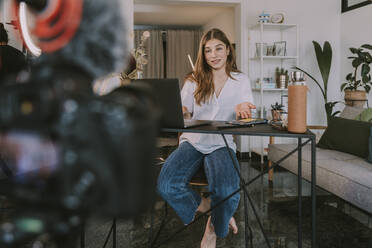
x=155, y=53
x=180, y=43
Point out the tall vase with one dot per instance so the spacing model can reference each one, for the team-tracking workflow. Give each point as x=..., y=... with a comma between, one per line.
x=297, y=108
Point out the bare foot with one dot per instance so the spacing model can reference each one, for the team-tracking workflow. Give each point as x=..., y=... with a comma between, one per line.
x=233, y=226
x=210, y=237
x=205, y=205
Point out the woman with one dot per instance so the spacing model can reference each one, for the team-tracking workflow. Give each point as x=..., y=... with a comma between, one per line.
x=215, y=90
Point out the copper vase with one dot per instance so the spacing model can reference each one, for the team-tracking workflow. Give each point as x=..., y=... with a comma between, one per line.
x=297, y=101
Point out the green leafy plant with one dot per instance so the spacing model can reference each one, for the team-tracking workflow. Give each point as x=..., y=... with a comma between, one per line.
x=277, y=106
x=276, y=111
x=324, y=59
x=281, y=71
x=362, y=79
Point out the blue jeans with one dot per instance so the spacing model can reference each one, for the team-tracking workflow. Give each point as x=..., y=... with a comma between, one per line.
x=179, y=168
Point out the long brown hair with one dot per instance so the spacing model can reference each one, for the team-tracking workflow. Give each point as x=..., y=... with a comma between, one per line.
x=202, y=74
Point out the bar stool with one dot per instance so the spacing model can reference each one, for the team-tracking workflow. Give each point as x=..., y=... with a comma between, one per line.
x=198, y=180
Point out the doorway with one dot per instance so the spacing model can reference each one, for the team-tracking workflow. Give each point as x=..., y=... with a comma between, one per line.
x=155, y=12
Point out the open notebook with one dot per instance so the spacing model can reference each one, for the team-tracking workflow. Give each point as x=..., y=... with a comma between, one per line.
x=241, y=123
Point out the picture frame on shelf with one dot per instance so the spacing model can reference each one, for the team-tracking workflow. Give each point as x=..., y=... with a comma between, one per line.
x=280, y=48
x=258, y=49
x=270, y=50
x=347, y=5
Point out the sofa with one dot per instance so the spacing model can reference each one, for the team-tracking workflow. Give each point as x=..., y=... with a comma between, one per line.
x=345, y=175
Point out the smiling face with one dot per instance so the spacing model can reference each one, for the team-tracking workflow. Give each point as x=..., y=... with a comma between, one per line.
x=215, y=53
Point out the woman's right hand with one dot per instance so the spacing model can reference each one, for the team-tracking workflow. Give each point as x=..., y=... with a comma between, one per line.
x=243, y=110
x=186, y=113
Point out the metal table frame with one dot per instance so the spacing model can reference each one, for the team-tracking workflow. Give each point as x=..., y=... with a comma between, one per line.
x=262, y=130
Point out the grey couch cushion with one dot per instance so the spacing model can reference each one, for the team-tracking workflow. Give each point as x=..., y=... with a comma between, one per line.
x=342, y=174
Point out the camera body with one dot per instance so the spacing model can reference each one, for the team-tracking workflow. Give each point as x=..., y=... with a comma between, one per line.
x=67, y=153
x=72, y=153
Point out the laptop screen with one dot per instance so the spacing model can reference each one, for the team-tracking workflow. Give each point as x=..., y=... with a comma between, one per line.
x=168, y=96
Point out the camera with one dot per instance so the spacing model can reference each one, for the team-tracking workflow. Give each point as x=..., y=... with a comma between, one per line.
x=68, y=154
x=65, y=153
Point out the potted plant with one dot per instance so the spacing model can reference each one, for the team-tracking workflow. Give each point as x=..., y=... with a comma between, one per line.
x=324, y=59
x=276, y=111
x=281, y=78
x=358, y=79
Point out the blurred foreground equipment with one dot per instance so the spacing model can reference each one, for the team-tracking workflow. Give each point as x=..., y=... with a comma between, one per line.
x=68, y=154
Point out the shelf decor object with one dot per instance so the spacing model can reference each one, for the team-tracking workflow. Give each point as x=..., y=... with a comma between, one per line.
x=297, y=99
x=264, y=17
x=280, y=48
x=261, y=51
x=262, y=64
x=278, y=56
x=277, y=18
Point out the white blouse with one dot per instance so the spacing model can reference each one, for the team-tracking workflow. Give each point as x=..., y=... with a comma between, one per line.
x=222, y=108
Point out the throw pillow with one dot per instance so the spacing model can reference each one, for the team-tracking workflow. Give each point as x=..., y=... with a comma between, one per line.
x=351, y=112
x=370, y=147
x=366, y=115
x=348, y=136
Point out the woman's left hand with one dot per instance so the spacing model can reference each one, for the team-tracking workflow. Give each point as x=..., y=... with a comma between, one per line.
x=243, y=110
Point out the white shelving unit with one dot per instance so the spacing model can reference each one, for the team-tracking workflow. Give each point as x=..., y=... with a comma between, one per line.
x=273, y=57
x=264, y=66
x=269, y=89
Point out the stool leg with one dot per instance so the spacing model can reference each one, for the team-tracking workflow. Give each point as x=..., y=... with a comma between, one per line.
x=82, y=236
x=114, y=233
x=152, y=213
x=161, y=225
x=112, y=229
x=271, y=172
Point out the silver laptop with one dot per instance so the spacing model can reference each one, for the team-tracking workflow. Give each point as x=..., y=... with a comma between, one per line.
x=168, y=96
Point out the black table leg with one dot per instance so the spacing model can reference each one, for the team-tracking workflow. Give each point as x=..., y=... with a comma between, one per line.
x=313, y=193
x=299, y=192
x=246, y=224
x=243, y=186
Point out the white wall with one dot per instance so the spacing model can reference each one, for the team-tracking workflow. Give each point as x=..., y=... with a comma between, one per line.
x=318, y=20
x=224, y=21
x=355, y=32
x=129, y=12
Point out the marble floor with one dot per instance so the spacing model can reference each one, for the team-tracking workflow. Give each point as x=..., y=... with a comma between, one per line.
x=339, y=225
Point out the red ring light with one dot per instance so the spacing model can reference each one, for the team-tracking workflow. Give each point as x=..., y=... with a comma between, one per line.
x=57, y=24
